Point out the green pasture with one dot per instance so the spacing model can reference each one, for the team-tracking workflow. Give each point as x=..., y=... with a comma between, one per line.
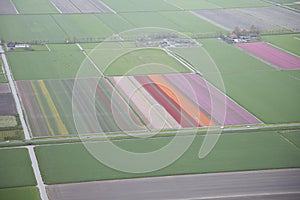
x=273, y=97
x=226, y=57
x=20, y=193
x=182, y=21
x=270, y=95
x=233, y=152
x=190, y=23
x=15, y=168
x=30, y=28
x=82, y=27
x=293, y=137
x=193, y=5
x=63, y=61
x=136, y=62
x=139, y=5
x=116, y=23
x=34, y=6
x=288, y=42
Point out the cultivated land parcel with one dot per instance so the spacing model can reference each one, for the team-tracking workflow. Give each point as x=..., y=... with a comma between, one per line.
x=165, y=81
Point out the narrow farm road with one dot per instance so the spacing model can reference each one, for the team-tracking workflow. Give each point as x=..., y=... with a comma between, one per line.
x=36, y=170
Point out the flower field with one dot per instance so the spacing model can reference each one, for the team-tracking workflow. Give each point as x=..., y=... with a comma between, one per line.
x=271, y=55
x=128, y=103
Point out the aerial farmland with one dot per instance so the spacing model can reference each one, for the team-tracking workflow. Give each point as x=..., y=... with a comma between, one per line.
x=149, y=99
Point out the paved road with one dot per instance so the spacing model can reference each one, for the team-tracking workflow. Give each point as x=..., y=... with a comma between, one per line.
x=36, y=170
x=257, y=185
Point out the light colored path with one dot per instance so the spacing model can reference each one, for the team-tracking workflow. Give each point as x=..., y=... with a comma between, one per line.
x=36, y=170
x=37, y=173
x=14, y=93
x=265, y=184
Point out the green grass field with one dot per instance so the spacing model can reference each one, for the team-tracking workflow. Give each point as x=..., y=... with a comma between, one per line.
x=255, y=85
x=293, y=137
x=82, y=27
x=30, y=28
x=20, y=193
x=290, y=42
x=34, y=6
x=136, y=62
x=15, y=168
x=62, y=61
x=193, y=5
x=184, y=22
x=233, y=152
x=115, y=22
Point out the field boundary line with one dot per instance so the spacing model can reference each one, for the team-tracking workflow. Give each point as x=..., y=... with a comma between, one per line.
x=46, y=45
x=184, y=63
x=210, y=21
x=286, y=139
x=258, y=58
x=88, y=57
x=37, y=173
x=226, y=96
x=281, y=49
x=12, y=3
x=173, y=4
x=15, y=94
x=56, y=7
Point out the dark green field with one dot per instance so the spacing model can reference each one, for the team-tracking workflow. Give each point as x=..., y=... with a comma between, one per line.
x=15, y=168
x=233, y=152
x=20, y=193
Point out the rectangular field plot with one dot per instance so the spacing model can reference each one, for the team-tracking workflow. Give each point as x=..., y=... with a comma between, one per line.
x=63, y=61
x=34, y=6
x=7, y=7
x=272, y=96
x=263, y=18
x=217, y=56
x=82, y=27
x=233, y=152
x=81, y=6
x=171, y=20
x=16, y=168
x=139, y=5
x=20, y=193
x=187, y=98
x=271, y=55
x=50, y=107
x=290, y=42
x=30, y=28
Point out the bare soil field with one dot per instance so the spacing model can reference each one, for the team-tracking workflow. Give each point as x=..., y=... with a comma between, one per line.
x=81, y=6
x=7, y=7
x=7, y=106
x=4, y=88
x=263, y=18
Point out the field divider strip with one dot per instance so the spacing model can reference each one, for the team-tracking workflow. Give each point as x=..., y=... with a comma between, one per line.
x=88, y=57
x=12, y=3
x=15, y=94
x=37, y=173
x=56, y=7
x=281, y=49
